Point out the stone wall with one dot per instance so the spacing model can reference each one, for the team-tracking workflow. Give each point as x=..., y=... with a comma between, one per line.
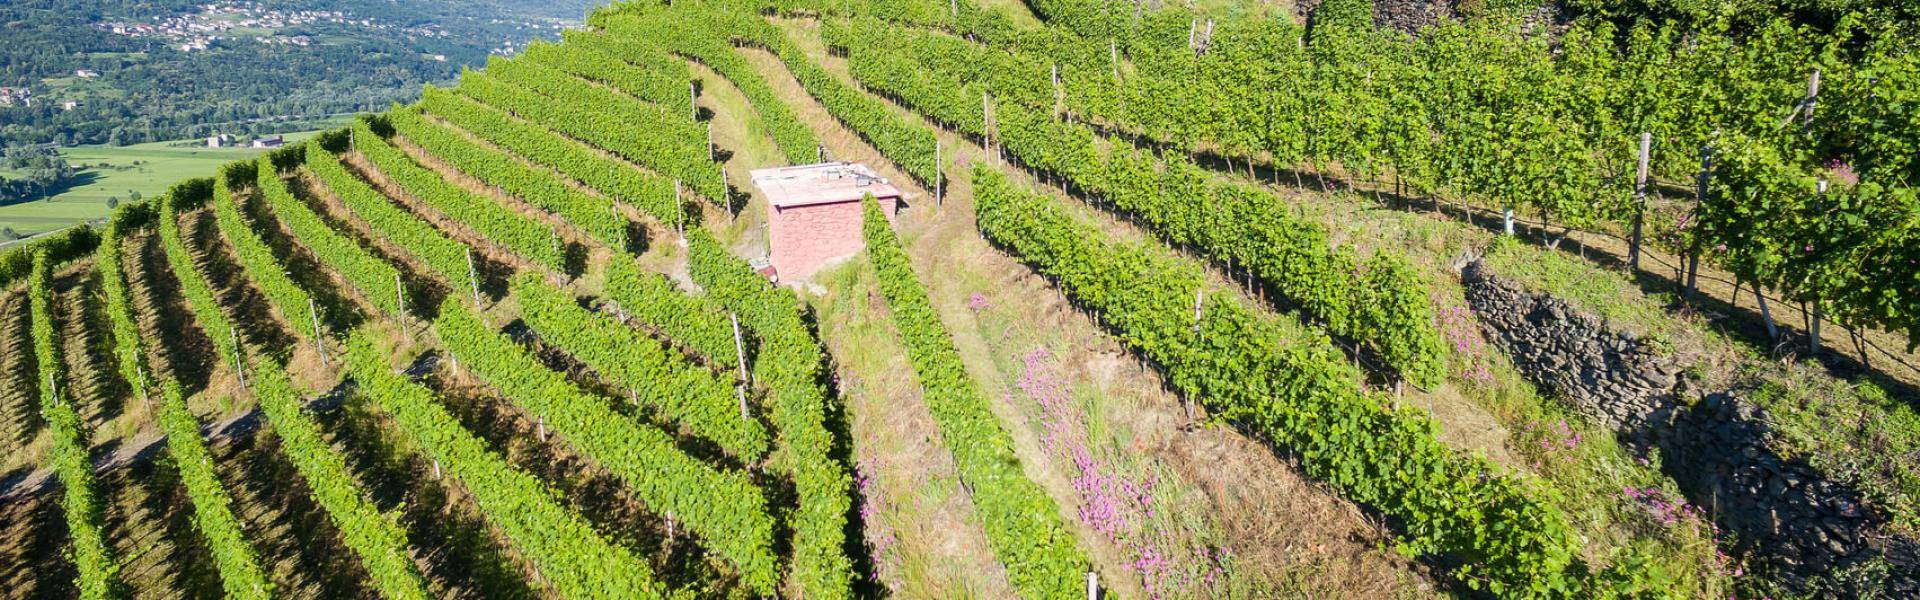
x=1610, y=377
x=1792, y=522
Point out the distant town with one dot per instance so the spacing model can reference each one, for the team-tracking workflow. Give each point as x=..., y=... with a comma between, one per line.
x=219, y=21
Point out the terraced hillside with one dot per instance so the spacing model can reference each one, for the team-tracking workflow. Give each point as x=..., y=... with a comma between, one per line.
x=507, y=341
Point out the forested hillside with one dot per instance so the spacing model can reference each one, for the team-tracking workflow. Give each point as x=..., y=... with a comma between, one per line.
x=171, y=69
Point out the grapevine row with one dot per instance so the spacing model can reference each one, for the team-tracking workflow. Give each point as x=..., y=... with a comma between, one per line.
x=688, y=320
x=496, y=222
x=374, y=536
x=655, y=141
x=1378, y=302
x=909, y=145
x=258, y=259
x=598, y=57
x=596, y=216
x=69, y=456
x=239, y=566
x=1021, y=521
x=1482, y=108
x=791, y=365
x=440, y=253
x=375, y=278
x=652, y=193
x=683, y=392
x=16, y=262
x=685, y=35
x=575, y=560
x=1292, y=387
x=723, y=508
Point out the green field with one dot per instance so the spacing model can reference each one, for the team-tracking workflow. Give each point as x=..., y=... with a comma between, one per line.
x=116, y=171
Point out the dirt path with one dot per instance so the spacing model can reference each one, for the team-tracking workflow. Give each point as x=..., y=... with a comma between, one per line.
x=1217, y=488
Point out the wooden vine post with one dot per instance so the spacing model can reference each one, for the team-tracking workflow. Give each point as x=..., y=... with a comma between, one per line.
x=679, y=213
x=313, y=311
x=399, y=293
x=740, y=354
x=1813, y=329
x=474, y=275
x=939, y=176
x=239, y=360
x=1700, y=199
x=1199, y=306
x=1093, y=585
x=1639, y=200
x=986, y=122
x=693, y=100
x=1059, y=93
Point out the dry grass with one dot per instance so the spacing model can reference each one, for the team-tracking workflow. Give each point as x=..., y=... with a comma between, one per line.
x=919, y=522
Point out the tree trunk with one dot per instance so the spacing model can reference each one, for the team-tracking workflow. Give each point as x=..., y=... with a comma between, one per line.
x=1860, y=347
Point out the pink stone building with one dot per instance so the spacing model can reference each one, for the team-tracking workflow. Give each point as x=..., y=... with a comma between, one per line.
x=814, y=213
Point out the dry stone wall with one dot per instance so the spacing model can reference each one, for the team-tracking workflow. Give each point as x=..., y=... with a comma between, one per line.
x=1788, y=517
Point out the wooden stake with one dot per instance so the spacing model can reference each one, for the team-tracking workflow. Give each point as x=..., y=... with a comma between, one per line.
x=1813, y=332
x=318, y=345
x=1059, y=93
x=939, y=177
x=1700, y=198
x=1639, y=201
x=740, y=353
x=680, y=213
x=1813, y=98
x=473, y=274
x=540, y=427
x=239, y=360
x=399, y=293
x=1093, y=585
x=693, y=101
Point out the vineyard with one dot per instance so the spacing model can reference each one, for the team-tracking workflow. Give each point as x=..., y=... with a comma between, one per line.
x=1597, y=300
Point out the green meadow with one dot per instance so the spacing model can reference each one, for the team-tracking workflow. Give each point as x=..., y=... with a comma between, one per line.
x=115, y=172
